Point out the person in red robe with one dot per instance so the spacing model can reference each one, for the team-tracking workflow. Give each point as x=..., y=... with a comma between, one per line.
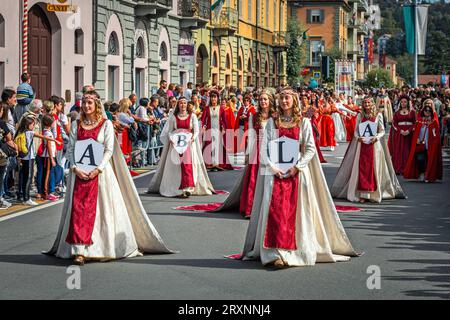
x=229, y=113
x=102, y=216
x=310, y=111
x=214, y=140
x=258, y=124
x=425, y=158
x=366, y=172
x=401, y=134
x=326, y=124
x=350, y=119
x=241, y=124
x=293, y=220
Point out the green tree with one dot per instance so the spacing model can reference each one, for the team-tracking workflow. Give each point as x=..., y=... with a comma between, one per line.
x=405, y=67
x=437, y=53
x=379, y=77
x=438, y=39
x=396, y=45
x=295, y=51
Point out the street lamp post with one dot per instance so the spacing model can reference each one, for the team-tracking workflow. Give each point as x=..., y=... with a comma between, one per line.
x=321, y=51
x=416, y=57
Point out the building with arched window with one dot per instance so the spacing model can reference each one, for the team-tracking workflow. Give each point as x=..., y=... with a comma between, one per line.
x=53, y=50
x=124, y=47
x=241, y=28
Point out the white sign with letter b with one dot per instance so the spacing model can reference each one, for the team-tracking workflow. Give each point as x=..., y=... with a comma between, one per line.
x=181, y=141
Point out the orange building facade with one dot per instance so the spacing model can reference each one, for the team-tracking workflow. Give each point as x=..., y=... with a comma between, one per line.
x=326, y=22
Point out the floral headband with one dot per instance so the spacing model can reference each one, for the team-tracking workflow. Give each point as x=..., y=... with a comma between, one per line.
x=93, y=96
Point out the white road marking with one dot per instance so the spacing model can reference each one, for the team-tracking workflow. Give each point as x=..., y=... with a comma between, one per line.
x=51, y=204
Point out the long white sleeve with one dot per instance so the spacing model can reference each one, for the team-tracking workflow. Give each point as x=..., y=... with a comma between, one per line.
x=380, y=127
x=358, y=121
x=341, y=107
x=268, y=136
x=308, y=142
x=108, y=143
x=195, y=127
x=252, y=136
x=169, y=128
x=71, y=145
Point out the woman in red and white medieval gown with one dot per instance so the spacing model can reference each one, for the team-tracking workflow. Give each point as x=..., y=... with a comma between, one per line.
x=214, y=135
x=366, y=173
x=294, y=221
x=425, y=158
x=181, y=176
x=242, y=196
x=401, y=134
x=311, y=112
x=103, y=217
x=241, y=124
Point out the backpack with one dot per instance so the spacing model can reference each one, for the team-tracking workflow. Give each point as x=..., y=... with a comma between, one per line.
x=132, y=134
x=43, y=146
x=142, y=131
x=21, y=142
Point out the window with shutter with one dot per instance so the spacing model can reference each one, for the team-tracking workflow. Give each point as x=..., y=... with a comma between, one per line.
x=316, y=16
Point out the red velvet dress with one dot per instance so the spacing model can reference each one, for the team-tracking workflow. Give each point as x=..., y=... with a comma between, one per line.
x=326, y=125
x=249, y=183
x=230, y=118
x=434, y=169
x=281, y=222
x=187, y=175
x=350, y=125
x=400, y=145
x=207, y=139
x=314, y=117
x=366, y=179
x=240, y=141
x=84, y=202
x=125, y=144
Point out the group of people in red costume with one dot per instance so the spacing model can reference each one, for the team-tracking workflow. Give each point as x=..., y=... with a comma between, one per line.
x=233, y=126
x=415, y=141
x=292, y=214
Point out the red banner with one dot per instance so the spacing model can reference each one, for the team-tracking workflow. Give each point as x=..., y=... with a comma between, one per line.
x=370, y=50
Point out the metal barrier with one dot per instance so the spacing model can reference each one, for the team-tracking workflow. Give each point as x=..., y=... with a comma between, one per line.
x=155, y=150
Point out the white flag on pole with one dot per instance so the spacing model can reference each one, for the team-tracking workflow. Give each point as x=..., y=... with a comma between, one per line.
x=421, y=28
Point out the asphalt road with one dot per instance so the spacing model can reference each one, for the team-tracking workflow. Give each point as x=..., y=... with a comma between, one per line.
x=408, y=240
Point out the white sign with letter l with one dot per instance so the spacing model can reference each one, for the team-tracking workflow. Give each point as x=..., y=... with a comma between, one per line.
x=284, y=153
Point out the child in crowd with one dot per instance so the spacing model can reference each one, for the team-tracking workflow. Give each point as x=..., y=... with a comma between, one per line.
x=46, y=163
x=26, y=162
x=25, y=95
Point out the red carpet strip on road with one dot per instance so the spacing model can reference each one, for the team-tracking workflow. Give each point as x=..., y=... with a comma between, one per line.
x=221, y=192
x=209, y=207
x=236, y=256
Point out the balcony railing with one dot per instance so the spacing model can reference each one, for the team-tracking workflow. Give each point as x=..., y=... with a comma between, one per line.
x=363, y=28
x=166, y=3
x=200, y=9
x=280, y=39
x=228, y=19
x=154, y=8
